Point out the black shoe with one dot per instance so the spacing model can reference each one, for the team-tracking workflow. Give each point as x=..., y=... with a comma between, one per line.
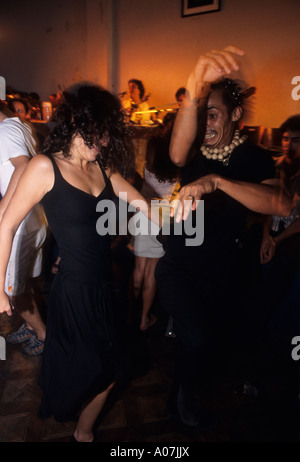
x=188, y=410
x=191, y=413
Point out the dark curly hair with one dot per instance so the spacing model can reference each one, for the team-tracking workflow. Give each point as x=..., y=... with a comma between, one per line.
x=95, y=114
x=292, y=124
x=11, y=101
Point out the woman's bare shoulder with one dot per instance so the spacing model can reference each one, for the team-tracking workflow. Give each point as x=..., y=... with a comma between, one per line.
x=40, y=170
x=41, y=161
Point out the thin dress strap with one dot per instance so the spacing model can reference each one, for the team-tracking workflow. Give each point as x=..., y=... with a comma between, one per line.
x=55, y=166
x=58, y=175
x=106, y=179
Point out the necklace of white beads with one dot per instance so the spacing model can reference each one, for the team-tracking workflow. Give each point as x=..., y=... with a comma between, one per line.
x=223, y=154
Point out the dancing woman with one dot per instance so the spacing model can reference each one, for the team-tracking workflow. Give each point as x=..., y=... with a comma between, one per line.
x=80, y=167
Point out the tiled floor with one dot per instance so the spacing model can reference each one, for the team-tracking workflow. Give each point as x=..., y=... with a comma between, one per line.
x=136, y=411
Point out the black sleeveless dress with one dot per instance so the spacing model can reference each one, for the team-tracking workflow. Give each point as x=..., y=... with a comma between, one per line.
x=81, y=356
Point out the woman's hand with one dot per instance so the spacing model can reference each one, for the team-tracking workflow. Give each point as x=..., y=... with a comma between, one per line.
x=5, y=304
x=191, y=193
x=267, y=249
x=215, y=63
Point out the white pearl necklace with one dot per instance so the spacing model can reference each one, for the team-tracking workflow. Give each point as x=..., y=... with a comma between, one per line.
x=223, y=154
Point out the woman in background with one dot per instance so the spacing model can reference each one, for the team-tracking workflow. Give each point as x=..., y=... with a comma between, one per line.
x=160, y=181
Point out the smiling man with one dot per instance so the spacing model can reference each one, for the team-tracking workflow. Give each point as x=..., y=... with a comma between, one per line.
x=200, y=287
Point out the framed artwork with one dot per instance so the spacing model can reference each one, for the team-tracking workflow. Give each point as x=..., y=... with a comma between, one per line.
x=193, y=7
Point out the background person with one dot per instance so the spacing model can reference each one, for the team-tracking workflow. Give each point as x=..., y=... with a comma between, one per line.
x=20, y=108
x=280, y=244
x=277, y=229
x=17, y=147
x=160, y=180
x=135, y=100
x=272, y=308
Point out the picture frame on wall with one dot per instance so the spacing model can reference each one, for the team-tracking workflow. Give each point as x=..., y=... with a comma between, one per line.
x=194, y=7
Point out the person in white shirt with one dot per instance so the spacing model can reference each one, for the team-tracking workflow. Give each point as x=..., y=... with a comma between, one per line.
x=17, y=146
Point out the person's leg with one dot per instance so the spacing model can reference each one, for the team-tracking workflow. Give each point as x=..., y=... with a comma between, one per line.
x=148, y=294
x=87, y=419
x=32, y=332
x=27, y=306
x=138, y=275
x=194, y=360
x=23, y=281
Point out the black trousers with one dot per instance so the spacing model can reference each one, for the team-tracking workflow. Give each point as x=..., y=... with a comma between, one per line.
x=205, y=323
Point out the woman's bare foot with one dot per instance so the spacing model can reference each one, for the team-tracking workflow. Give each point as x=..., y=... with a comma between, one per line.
x=82, y=438
x=148, y=322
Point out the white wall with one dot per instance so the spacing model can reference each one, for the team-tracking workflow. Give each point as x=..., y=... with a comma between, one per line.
x=46, y=43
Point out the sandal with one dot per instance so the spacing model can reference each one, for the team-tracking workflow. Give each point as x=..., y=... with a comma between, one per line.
x=33, y=347
x=21, y=335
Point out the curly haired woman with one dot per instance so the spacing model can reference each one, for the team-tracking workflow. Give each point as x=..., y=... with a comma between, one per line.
x=79, y=168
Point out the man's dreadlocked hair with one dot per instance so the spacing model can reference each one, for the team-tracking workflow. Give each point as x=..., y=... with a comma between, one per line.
x=232, y=94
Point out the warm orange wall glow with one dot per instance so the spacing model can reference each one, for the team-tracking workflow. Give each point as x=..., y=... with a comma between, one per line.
x=110, y=41
x=162, y=48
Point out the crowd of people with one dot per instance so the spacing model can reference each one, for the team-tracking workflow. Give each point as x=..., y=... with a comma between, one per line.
x=198, y=153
